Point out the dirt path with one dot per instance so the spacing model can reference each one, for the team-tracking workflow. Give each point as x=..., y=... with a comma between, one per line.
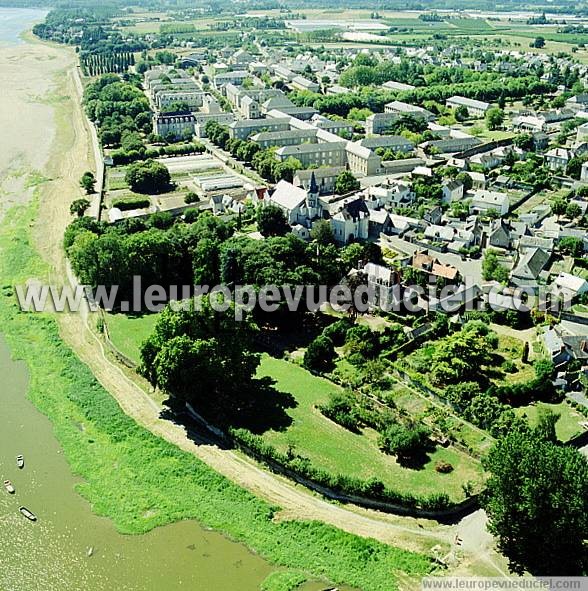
x=75, y=156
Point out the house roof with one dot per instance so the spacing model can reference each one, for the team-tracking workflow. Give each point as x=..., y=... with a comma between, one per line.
x=571, y=282
x=467, y=102
x=288, y=196
x=531, y=264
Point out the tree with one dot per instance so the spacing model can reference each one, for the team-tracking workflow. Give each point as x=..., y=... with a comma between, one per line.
x=404, y=442
x=572, y=246
x=574, y=167
x=492, y=269
x=558, y=206
x=538, y=491
x=346, y=183
x=322, y=233
x=78, y=207
x=573, y=211
x=149, y=177
x=202, y=356
x=87, y=182
x=538, y=43
x=525, y=142
x=271, y=221
x=466, y=180
x=462, y=113
x=319, y=354
x=494, y=118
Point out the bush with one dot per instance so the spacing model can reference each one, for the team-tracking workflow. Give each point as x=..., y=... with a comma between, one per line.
x=129, y=204
x=443, y=467
x=320, y=354
x=341, y=409
x=337, y=331
x=256, y=446
x=508, y=366
x=404, y=441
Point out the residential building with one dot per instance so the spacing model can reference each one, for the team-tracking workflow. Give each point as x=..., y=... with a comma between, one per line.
x=400, y=108
x=557, y=159
x=174, y=124
x=397, y=86
x=396, y=143
x=384, y=286
x=325, y=178
x=291, y=137
x=323, y=154
x=475, y=108
x=485, y=201
x=351, y=223
x=246, y=127
x=234, y=77
x=301, y=83
x=362, y=161
x=452, y=191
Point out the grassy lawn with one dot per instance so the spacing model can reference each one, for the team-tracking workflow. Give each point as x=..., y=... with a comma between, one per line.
x=568, y=424
x=128, y=332
x=336, y=449
x=511, y=349
x=116, y=178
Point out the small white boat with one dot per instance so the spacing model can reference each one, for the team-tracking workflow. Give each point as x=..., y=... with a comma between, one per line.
x=20, y=461
x=9, y=487
x=28, y=514
x=90, y=551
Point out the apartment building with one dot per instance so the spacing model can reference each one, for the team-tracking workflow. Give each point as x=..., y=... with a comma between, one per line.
x=325, y=154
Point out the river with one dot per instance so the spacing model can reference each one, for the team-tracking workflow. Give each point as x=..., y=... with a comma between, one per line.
x=70, y=548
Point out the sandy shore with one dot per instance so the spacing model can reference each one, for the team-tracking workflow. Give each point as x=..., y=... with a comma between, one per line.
x=31, y=77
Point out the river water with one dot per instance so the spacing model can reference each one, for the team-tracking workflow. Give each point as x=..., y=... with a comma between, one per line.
x=70, y=548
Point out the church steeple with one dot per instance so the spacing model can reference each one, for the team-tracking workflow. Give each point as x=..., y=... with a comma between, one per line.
x=312, y=194
x=313, y=188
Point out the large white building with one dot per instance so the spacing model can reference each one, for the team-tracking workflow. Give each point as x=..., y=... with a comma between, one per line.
x=475, y=108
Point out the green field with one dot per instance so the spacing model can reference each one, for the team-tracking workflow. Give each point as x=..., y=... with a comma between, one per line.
x=338, y=450
x=127, y=333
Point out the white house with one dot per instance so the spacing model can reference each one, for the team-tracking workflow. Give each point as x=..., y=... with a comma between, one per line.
x=351, y=223
x=485, y=201
x=558, y=158
x=569, y=286
x=295, y=202
x=452, y=191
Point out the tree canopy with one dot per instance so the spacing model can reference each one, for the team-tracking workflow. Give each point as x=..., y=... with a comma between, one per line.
x=537, y=502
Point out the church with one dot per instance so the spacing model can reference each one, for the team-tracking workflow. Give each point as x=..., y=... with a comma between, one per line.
x=349, y=217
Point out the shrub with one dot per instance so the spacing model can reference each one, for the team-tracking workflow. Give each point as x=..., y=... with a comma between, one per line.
x=319, y=354
x=341, y=409
x=129, y=204
x=337, y=331
x=404, y=441
x=443, y=467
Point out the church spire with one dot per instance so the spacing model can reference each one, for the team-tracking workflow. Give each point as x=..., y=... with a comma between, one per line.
x=313, y=188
